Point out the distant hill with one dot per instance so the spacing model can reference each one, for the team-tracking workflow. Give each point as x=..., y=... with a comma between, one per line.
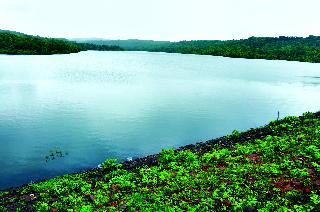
x=12, y=32
x=18, y=43
x=273, y=48
x=129, y=45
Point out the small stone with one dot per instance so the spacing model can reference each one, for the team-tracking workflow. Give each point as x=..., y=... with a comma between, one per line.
x=32, y=196
x=123, y=206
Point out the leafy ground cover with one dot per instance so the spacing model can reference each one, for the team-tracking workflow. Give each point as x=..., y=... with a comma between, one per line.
x=275, y=167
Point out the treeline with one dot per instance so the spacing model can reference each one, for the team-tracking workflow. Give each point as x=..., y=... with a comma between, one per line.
x=129, y=45
x=89, y=46
x=278, y=48
x=273, y=48
x=281, y=48
x=18, y=43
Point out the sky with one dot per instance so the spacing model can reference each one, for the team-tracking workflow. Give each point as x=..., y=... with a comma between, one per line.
x=161, y=19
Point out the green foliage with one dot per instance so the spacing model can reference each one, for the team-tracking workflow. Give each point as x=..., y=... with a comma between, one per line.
x=18, y=43
x=167, y=156
x=315, y=199
x=109, y=164
x=42, y=206
x=235, y=134
x=279, y=48
x=89, y=46
x=129, y=45
x=278, y=172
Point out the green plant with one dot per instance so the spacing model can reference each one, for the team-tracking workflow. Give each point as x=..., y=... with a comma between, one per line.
x=110, y=164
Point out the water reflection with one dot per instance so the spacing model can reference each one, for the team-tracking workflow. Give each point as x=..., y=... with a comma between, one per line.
x=314, y=77
x=311, y=80
x=98, y=105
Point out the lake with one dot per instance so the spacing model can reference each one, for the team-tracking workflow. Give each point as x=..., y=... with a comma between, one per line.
x=66, y=113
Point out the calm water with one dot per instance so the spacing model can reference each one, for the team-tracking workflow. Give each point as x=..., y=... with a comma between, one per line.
x=96, y=105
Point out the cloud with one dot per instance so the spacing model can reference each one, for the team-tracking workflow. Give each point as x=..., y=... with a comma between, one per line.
x=161, y=19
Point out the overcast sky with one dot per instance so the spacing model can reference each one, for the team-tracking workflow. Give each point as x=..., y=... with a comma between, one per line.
x=161, y=19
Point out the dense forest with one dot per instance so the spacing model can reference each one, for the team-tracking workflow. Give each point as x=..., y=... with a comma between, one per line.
x=18, y=43
x=280, y=48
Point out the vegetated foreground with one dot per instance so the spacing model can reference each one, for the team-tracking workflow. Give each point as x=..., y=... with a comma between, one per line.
x=275, y=167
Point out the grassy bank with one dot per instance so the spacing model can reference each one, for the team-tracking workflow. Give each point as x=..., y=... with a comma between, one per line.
x=269, y=168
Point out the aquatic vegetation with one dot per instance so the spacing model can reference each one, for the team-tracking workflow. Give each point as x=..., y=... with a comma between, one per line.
x=276, y=167
x=55, y=154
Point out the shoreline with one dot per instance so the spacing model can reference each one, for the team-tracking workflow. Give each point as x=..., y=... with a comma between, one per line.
x=247, y=58
x=276, y=166
x=199, y=147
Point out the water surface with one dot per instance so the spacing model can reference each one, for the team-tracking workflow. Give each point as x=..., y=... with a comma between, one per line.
x=83, y=108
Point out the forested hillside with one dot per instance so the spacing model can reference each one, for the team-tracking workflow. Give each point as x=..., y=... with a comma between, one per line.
x=282, y=48
x=129, y=45
x=18, y=43
x=279, y=48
